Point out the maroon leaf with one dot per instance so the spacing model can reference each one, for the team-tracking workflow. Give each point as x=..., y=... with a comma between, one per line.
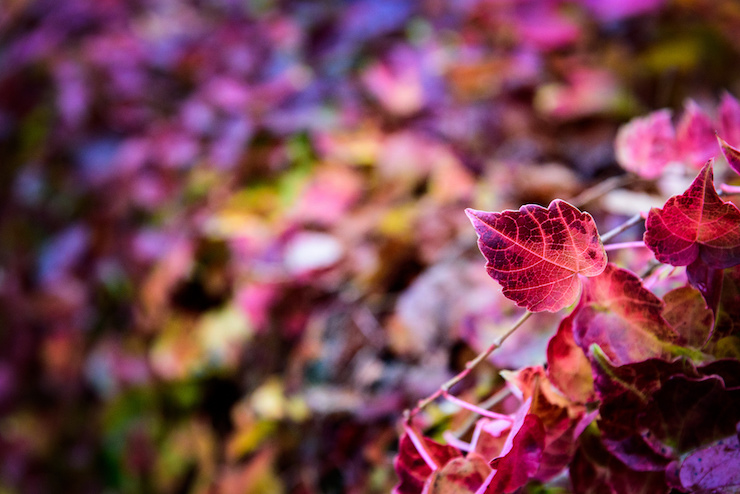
x=411, y=468
x=678, y=413
x=732, y=154
x=522, y=460
x=621, y=316
x=459, y=475
x=695, y=224
x=713, y=469
x=537, y=253
x=695, y=135
x=567, y=365
x=687, y=312
x=596, y=471
x=646, y=145
x=707, y=280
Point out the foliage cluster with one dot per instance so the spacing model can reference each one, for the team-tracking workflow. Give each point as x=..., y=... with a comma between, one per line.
x=639, y=393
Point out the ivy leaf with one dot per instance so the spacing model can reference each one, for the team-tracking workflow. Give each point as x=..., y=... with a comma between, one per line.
x=695, y=224
x=621, y=316
x=537, y=253
x=732, y=154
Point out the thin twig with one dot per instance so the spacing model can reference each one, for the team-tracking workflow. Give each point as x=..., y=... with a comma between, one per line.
x=495, y=399
x=624, y=226
x=600, y=189
x=468, y=368
x=625, y=245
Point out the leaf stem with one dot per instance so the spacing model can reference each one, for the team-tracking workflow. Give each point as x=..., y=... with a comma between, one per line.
x=409, y=414
x=624, y=245
x=420, y=448
x=729, y=190
x=475, y=408
x=624, y=226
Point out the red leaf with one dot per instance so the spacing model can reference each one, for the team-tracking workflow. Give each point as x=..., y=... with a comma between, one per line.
x=695, y=224
x=622, y=317
x=732, y=154
x=411, y=468
x=522, y=461
x=537, y=253
x=567, y=365
x=695, y=136
x=646, y=145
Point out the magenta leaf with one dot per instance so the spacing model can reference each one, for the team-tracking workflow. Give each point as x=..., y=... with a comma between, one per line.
x=622, y=317
x=732, y=154
x=696, y=224
x=695, y=136
x=567, y=365
x=537, y=253
x=522, y=461
x=410, y=466
x=646, y=145
x=713, y=469
x=729, y=116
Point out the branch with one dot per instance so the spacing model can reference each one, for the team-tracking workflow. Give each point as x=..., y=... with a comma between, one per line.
x=409, y=414
x=624, y=226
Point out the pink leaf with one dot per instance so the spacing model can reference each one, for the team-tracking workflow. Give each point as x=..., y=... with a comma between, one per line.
x=695, y=135
x=732, y=154
x=646, y=145
x=537, y=253
x=695, y=224
x=729, y=116
x=621, y=316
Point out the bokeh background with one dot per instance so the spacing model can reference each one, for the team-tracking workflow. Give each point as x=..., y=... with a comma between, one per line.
x=232, y=239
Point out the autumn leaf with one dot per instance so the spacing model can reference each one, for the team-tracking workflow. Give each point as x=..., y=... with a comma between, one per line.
x=621, y=316
x=567, y=365
x=695, y=224
x=537, y=253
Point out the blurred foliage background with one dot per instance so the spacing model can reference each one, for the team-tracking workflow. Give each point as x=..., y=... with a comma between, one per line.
x=232, y=239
